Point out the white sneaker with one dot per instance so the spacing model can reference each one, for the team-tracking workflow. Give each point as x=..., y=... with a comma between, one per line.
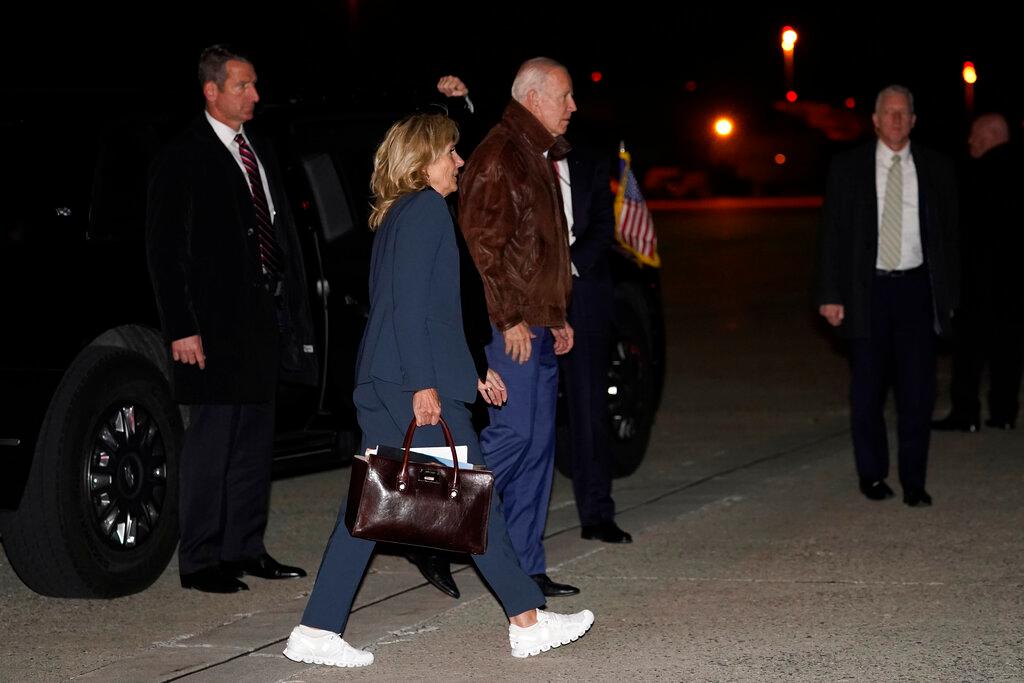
x=328, y=649
x=551, y=630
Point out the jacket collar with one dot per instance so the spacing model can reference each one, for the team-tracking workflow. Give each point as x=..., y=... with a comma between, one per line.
x=536, y=136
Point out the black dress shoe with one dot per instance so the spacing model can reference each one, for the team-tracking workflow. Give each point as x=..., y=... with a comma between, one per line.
x=1006, y=425
x=876, y=490
x=955, y=423
x=917, y=498
x=609, y=532
x=265, y=567
x=212, y=580
x=437, y=570
x=550, y=589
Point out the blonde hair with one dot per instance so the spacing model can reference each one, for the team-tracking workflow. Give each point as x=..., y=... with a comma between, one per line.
x=400, y=163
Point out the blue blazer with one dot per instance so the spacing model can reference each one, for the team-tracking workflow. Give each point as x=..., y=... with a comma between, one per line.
x=414, y=336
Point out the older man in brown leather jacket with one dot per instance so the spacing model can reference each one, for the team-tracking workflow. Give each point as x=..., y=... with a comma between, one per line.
x=511, y=215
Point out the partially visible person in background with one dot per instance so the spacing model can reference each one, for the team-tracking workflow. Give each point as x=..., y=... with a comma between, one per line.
x=989, y=325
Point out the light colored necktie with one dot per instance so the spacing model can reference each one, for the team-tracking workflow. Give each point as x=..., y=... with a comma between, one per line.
x=890, y=232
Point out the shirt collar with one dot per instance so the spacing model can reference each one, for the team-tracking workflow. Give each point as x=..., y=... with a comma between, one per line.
x=884, y=154
x=225, y=132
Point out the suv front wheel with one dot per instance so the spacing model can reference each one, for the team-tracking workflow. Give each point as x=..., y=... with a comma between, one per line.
x=98, y=517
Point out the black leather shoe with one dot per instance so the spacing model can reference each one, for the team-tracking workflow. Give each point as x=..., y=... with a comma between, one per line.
x=265, y=567
x=1006, y=425
x=876, y=490
x=917, y=498
x=609, y=532
x=212, y=580
x=955, y=423
x=437, y=570
x=550, y=589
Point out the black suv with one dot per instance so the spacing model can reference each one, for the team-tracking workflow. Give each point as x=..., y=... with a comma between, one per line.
x=89, y=434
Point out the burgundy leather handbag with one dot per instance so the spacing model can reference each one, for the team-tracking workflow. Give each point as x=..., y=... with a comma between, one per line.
x=417, y=503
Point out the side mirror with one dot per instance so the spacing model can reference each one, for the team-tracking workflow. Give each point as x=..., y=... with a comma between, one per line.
x=331, y=203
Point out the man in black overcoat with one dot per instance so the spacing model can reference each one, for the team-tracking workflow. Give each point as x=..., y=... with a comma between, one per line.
x=229, y=282
x=888, y=280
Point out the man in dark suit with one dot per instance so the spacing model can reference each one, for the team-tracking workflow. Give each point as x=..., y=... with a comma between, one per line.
x=989, y=326
x=888, y=280
x=587, y=201
x=229, y=283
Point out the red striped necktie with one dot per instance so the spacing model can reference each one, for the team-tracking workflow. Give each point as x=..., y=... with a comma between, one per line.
x=270, y=253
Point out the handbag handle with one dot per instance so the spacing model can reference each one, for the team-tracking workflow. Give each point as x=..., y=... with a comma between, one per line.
x=407, y=444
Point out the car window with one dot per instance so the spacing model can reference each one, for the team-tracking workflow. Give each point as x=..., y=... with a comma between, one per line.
x=44, y=183
x=118, y=203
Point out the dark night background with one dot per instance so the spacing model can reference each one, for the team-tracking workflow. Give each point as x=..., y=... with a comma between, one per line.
x=363, y=53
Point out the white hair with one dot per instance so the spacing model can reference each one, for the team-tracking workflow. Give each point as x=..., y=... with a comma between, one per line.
x=895, y=90
x=532, y=75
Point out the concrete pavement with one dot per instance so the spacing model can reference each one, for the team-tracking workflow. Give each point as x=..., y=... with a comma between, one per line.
x=754, y=557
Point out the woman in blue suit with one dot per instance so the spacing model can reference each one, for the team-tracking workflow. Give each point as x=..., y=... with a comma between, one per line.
x=414, y=362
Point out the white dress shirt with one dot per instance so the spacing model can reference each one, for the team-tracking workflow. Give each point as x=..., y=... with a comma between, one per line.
x=227, y=135
x=911, y=254
x=562, y=170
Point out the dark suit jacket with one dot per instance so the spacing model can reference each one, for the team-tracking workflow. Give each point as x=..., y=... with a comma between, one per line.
x=414, y=337
x=201, y=245
x=594, y=228
x=992, y=237
x=848, y=241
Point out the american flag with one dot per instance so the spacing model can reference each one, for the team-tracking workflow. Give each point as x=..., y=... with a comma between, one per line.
x=634, y=227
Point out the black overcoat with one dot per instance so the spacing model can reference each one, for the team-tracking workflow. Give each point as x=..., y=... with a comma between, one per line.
x=848, y=239
x=202, y=251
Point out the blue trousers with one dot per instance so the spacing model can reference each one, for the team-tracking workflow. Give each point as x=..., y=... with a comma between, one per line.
x=519, y=443
x=384, y=412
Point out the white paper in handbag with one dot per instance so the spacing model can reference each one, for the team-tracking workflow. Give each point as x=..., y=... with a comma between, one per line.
x=437, y=452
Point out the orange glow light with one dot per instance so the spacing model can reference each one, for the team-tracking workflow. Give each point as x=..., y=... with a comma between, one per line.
x=970, y=75
x=723, y=127
x=789, y=37
x=596, y=76
x=780, y=159
x=791, y=96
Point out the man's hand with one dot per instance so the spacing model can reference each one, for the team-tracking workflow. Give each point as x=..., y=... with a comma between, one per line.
x=517, y=342
x=426, y=407
x=452, y=86
x=189, y=350
x=493, y=389
x=833, y=313
x=563, y=338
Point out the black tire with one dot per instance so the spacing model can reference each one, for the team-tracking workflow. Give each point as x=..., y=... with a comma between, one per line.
x=631, y=372
x=99, y=516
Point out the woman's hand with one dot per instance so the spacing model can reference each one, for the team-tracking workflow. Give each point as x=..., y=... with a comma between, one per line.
x=493, y=390
x=426, y=407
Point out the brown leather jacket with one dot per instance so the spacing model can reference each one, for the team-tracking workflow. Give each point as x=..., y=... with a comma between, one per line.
x=511, y=214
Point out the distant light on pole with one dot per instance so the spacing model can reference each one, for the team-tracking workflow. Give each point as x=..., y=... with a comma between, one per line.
x=788, y=44
x=780, y=159
x=596, y=76
x=791, y=96
x=723, y=127
x=850, y=103
x=789, y=37
x=970, y=74
x=970, y=78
